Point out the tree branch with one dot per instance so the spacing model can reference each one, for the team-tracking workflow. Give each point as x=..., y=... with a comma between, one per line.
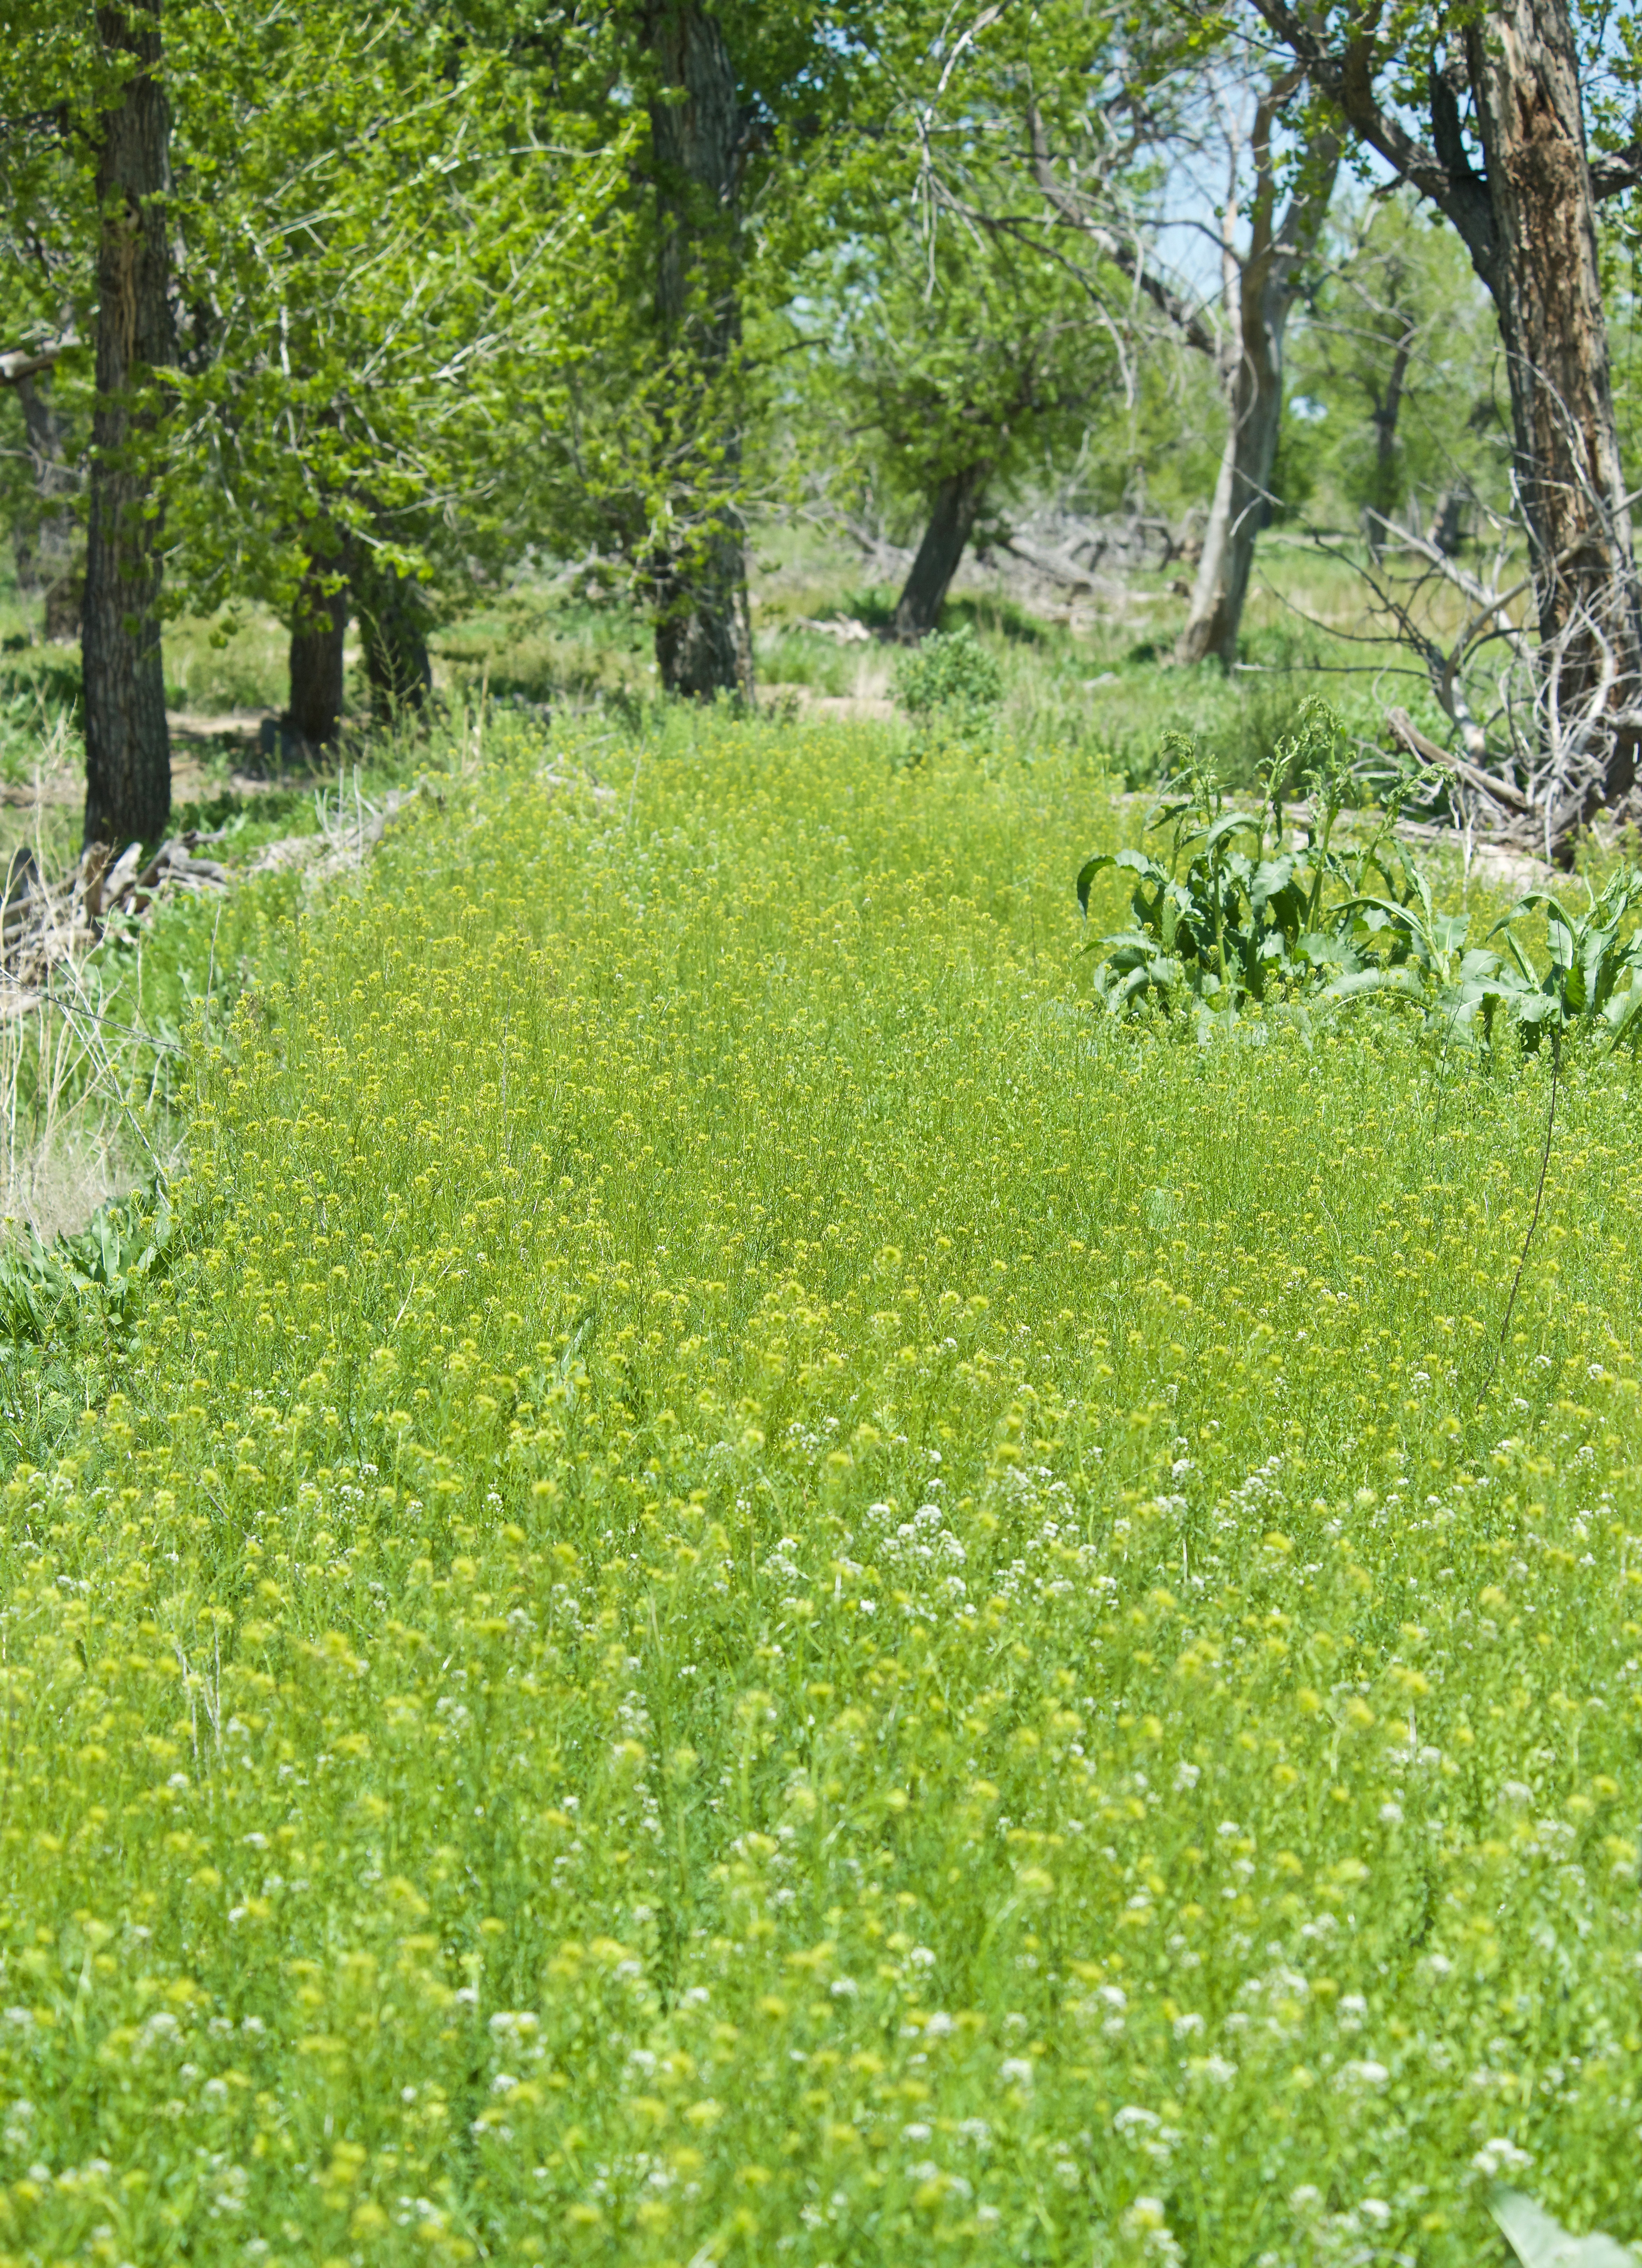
x=29, y=362
x=1347, y=79
x=1069, y=209
x=1612, y=171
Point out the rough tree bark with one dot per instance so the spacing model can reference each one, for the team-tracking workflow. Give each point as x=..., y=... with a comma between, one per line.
x=1524, y=74
x=1261, y=289
x=128, y=747
x=953, y=515
x=1527, y=219
x=317, y=628
x=702, y=641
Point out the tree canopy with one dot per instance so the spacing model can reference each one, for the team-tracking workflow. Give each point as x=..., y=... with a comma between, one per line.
x=346, y=312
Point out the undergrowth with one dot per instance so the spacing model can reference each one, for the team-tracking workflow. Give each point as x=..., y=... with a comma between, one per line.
x=755, y=1591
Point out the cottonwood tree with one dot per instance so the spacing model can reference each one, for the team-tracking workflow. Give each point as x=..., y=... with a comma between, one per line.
x=950, y=372
x=379, y=264
x=732, y=177
x=1396, y=359
x=697, y=570
x=1273, y=205
x=128, y=746
x=1480, y=111
x=1091, y=110
x=1261, y=280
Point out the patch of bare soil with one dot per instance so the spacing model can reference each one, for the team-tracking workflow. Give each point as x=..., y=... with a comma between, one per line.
x=195, y=737
x=847, y=708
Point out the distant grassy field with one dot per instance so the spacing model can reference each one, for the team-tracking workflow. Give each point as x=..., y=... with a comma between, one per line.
x=753, y=1595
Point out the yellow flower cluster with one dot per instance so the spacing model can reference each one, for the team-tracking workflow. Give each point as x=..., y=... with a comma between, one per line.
x=761, y=1595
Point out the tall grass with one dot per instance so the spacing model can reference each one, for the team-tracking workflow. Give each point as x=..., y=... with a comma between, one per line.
x=755, y=1596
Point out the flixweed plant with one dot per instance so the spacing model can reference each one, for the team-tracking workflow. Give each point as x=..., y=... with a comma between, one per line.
x=753, y=1591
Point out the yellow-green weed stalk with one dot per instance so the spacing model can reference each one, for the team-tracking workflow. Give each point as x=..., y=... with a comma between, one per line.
x=764, y=1597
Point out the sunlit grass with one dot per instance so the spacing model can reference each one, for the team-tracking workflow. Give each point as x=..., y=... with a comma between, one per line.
x=762, y=1597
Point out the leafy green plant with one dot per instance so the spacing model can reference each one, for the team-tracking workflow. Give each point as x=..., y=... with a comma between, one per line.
x=1401, y=947
x=1594, y=971
x=1539, y=2241
x=1405, y=949
x=1233, y=915
x=124, y=1246
x=1221, y=924
x=950, y=686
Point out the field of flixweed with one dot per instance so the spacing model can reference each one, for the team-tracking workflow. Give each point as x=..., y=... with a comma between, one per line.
x=761, y=1592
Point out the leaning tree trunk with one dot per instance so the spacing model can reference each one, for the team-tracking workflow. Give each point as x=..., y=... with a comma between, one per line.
x=317, y=628
x=953, y=515
x=1241, y=491
x=1524, y=72
x=703, y=644
x=128, y=747
x=1261, y=286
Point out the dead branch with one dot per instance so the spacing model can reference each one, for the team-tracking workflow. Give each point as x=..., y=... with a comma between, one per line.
x=1408, y=735
x=21, y=363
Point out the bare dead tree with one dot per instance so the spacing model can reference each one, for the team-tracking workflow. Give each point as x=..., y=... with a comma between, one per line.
x=1534, y=716
x=1527, y=216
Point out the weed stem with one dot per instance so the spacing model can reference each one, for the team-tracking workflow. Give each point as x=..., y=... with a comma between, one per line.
x=1539, y=1199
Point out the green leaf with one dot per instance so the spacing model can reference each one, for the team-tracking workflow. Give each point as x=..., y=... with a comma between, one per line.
x=1539, y=2241
x=1086, y=874
x=1621, y=1013
x=1230, y=824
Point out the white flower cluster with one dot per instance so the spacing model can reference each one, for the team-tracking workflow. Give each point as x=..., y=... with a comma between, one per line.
x=922, y=1557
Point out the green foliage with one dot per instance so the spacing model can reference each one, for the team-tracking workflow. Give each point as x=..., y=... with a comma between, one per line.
x=1393, y=367
x=950, y=685
x=108, y=1266
x=40, y=716
x=1539, y=2241
x=393, y=225
x=1220, y=926
x=750, y=1581
x=1237, y=924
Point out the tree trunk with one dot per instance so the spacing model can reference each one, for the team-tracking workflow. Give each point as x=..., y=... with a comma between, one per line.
x=953, y=515
x=1525, y=76
x=49, y=553
x=1261, y=289
x=704, y=643
x=127, y=748
x=1386, y=413
x=393, y=629
x=1447, y=520
x=1254, y=423
x=317, y=630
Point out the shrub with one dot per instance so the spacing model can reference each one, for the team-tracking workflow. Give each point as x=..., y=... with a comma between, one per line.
x=950, y=686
